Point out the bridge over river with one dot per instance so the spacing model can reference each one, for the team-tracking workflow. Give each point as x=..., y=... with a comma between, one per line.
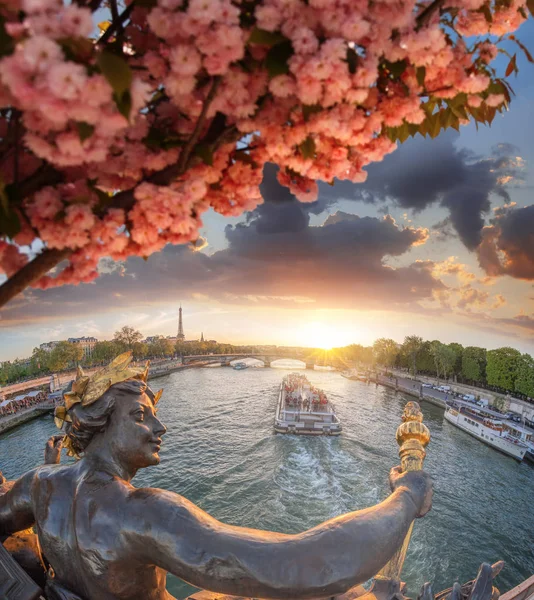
x=225, y=359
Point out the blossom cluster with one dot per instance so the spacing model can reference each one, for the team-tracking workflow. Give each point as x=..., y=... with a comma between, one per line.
x=177, y=108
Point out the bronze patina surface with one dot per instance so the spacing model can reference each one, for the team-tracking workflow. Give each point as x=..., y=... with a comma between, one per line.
x=107, y=540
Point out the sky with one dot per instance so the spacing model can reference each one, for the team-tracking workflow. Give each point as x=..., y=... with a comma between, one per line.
x=438, y=242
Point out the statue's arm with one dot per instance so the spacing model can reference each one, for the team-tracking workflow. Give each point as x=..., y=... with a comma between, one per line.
x=167, y=530
x=16, y=510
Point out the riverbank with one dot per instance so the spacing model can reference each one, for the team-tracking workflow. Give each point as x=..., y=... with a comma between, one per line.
x=415, y=390
x=12, y=421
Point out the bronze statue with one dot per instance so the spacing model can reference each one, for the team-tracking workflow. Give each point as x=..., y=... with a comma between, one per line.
x=107, y=540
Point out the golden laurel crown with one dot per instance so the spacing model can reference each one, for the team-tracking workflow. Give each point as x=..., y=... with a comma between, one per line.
x=86, y=389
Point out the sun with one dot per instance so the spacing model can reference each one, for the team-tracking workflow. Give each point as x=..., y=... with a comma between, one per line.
x=320, y=335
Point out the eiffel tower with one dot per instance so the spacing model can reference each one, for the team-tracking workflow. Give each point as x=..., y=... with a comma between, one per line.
x=180, y=335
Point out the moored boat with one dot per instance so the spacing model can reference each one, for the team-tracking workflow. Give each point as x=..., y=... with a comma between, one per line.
x=303, y=409
x=354, y=375
x=489, y=427
x=240, y=366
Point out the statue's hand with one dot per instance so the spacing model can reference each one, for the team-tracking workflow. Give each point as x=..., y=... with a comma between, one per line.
x=417, y=483
x=53, y=450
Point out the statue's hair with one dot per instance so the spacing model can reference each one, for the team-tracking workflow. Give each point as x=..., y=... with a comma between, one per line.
x=92, y=419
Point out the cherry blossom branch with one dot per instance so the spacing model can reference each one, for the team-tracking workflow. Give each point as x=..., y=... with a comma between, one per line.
x=35, y=269
x=427, y=13
x=48, y=259
x=188, y=148
x=116, y=24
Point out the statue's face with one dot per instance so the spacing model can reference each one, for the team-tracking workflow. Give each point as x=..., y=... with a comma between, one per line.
x=135, y=431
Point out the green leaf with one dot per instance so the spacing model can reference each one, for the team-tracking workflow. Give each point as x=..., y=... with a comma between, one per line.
x=391, y=133
x=352, y=60
x=116, y=70
x=6, y=41
x=458, y=106
x=124, y=103
x=511, y=66
x=85, y=130
x=277, y=59
x=307, y=148
x=204, y=152
x=434, y=125
x=449, y=119
x=309, y=109
x=530, y=6
x=421, y=74
x=403, y=132
x=266, y=38
x=429, y=106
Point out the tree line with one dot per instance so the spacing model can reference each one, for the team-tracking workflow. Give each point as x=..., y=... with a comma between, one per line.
x=66, y=355
x=503, y=369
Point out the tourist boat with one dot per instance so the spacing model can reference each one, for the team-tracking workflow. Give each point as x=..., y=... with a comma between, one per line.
x=353, y=375
x=303, y=409
x=240, y=366
x=488, y=426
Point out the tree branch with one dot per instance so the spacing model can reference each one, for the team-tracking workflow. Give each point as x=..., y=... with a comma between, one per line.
x=35, y=269
x=116, y=24
x=47, y=175
x=423, y=18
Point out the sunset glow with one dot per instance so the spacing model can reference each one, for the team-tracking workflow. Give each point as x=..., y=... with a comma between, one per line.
x=320, y=335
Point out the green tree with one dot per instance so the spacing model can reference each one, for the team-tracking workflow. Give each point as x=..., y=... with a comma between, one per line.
x=444, y=359
x=458, y=350
x=64, y=355
x=474, y=364
x=385, y=351
x=160, y=348
x=425, y=360
x=412, y=345
x=127, y=337
x=502, y=367
x=105, y=351
x=39, y=360
x=524, y=384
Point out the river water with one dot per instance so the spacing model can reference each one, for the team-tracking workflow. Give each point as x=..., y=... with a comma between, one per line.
x=220, y=452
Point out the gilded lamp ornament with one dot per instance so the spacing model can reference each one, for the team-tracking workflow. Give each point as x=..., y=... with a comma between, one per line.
x=88, y=389
x=412, y=437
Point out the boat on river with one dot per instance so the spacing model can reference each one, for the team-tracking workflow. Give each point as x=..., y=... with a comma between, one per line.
x=490, y=428
x=354, y=375
x=303, y=409
x=240, y=366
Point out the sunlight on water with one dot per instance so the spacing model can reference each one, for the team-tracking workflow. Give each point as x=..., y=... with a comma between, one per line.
x=220, y=452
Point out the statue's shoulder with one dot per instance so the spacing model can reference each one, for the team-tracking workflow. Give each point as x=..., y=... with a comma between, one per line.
x=158, y=501
x=46, y=472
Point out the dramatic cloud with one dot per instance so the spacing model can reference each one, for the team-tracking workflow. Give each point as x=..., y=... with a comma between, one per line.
x=423, y=172
x=507, y=246
x=271, y=259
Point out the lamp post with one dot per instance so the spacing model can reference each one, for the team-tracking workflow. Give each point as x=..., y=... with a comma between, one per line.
x=412, y=437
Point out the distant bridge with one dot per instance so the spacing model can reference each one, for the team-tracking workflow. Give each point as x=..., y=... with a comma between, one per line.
x=226, y=358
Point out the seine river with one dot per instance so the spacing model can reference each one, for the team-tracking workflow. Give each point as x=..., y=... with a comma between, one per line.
x=221, y=453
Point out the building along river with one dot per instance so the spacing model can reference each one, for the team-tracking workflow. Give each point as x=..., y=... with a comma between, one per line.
x=221, y=453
